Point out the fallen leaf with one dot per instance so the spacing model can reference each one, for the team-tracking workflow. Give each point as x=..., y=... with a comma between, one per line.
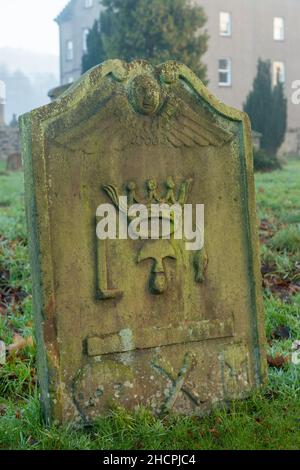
x=19, y=343
x=281, y=287
x=31, y=441
x=282, y=332
x=268, y=268
x=214, y=432
x=278, y=361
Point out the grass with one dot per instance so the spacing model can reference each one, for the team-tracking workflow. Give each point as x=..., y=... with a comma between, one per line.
x=258, y=423
x=270, y=419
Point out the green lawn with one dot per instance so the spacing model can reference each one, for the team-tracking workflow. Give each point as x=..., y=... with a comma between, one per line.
x=268, y=420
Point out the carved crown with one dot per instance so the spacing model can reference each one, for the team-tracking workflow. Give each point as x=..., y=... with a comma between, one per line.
x=172, y=194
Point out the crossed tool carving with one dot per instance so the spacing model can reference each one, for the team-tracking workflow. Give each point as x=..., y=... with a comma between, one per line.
x=178, y=382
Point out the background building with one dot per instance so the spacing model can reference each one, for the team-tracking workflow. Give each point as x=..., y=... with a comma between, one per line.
x=74, y=22
x=241, y=32
x=2, y=101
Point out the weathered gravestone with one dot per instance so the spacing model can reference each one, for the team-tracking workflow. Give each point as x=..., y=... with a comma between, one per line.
x=14, y=162
x=142, y=322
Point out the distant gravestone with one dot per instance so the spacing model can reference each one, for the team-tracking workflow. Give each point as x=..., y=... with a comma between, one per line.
x=14, y=162
x=142, y=322
x=2, y=353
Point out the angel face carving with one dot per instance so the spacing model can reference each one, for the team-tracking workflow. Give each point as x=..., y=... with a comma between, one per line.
x=145, y=95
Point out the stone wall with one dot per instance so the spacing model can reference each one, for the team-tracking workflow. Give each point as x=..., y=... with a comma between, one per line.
x=291, y=145
x=9, y=141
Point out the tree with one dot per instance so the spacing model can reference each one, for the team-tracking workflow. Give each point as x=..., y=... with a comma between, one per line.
x=95, y=52
x=278, y=122
x=259, y=101
x=267, y=108
x=156, y=30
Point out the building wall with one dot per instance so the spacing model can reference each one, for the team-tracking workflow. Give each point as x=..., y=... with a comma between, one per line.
x=251, y=38
x=2, y=102
x=72, y=29
x=1, y=113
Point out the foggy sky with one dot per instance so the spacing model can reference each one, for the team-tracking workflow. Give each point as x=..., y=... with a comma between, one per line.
x=28, y=24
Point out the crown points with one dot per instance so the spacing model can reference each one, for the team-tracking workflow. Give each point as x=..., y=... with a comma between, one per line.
x=171, y=195
x=170, y=183
x=131, y=186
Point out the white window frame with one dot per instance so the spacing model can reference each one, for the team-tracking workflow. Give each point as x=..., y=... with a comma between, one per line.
x=85, y=33
x=69, y=50
x=227, y=70
x=88, y=3
x=278, y=28
x=282, y=76
x=222, y=21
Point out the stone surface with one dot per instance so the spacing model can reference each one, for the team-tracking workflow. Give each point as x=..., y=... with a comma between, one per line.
x=256, y=140
x=2, y=353
x=135, y=322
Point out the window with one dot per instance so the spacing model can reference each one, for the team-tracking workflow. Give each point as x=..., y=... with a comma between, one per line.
x=88, y=3
x=278, y=72
x=70, y=80
x=224, y=72
x=70, y=50
x=278, y=29
x=85, y=34
x=225, y=23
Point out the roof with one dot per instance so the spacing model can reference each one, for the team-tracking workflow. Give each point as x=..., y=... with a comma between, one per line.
x=66, y=13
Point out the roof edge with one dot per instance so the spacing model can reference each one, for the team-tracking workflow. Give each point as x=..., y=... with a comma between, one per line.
x=66, y=13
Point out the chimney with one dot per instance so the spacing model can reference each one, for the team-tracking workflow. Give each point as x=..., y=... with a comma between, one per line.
x=2, y=102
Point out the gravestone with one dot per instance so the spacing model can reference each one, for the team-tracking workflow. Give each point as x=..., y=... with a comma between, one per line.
x=142, y=322
x=14, y=162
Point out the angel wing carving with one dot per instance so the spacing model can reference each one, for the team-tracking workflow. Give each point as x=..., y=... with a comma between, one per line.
x=177, y=124
x=188, y=129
